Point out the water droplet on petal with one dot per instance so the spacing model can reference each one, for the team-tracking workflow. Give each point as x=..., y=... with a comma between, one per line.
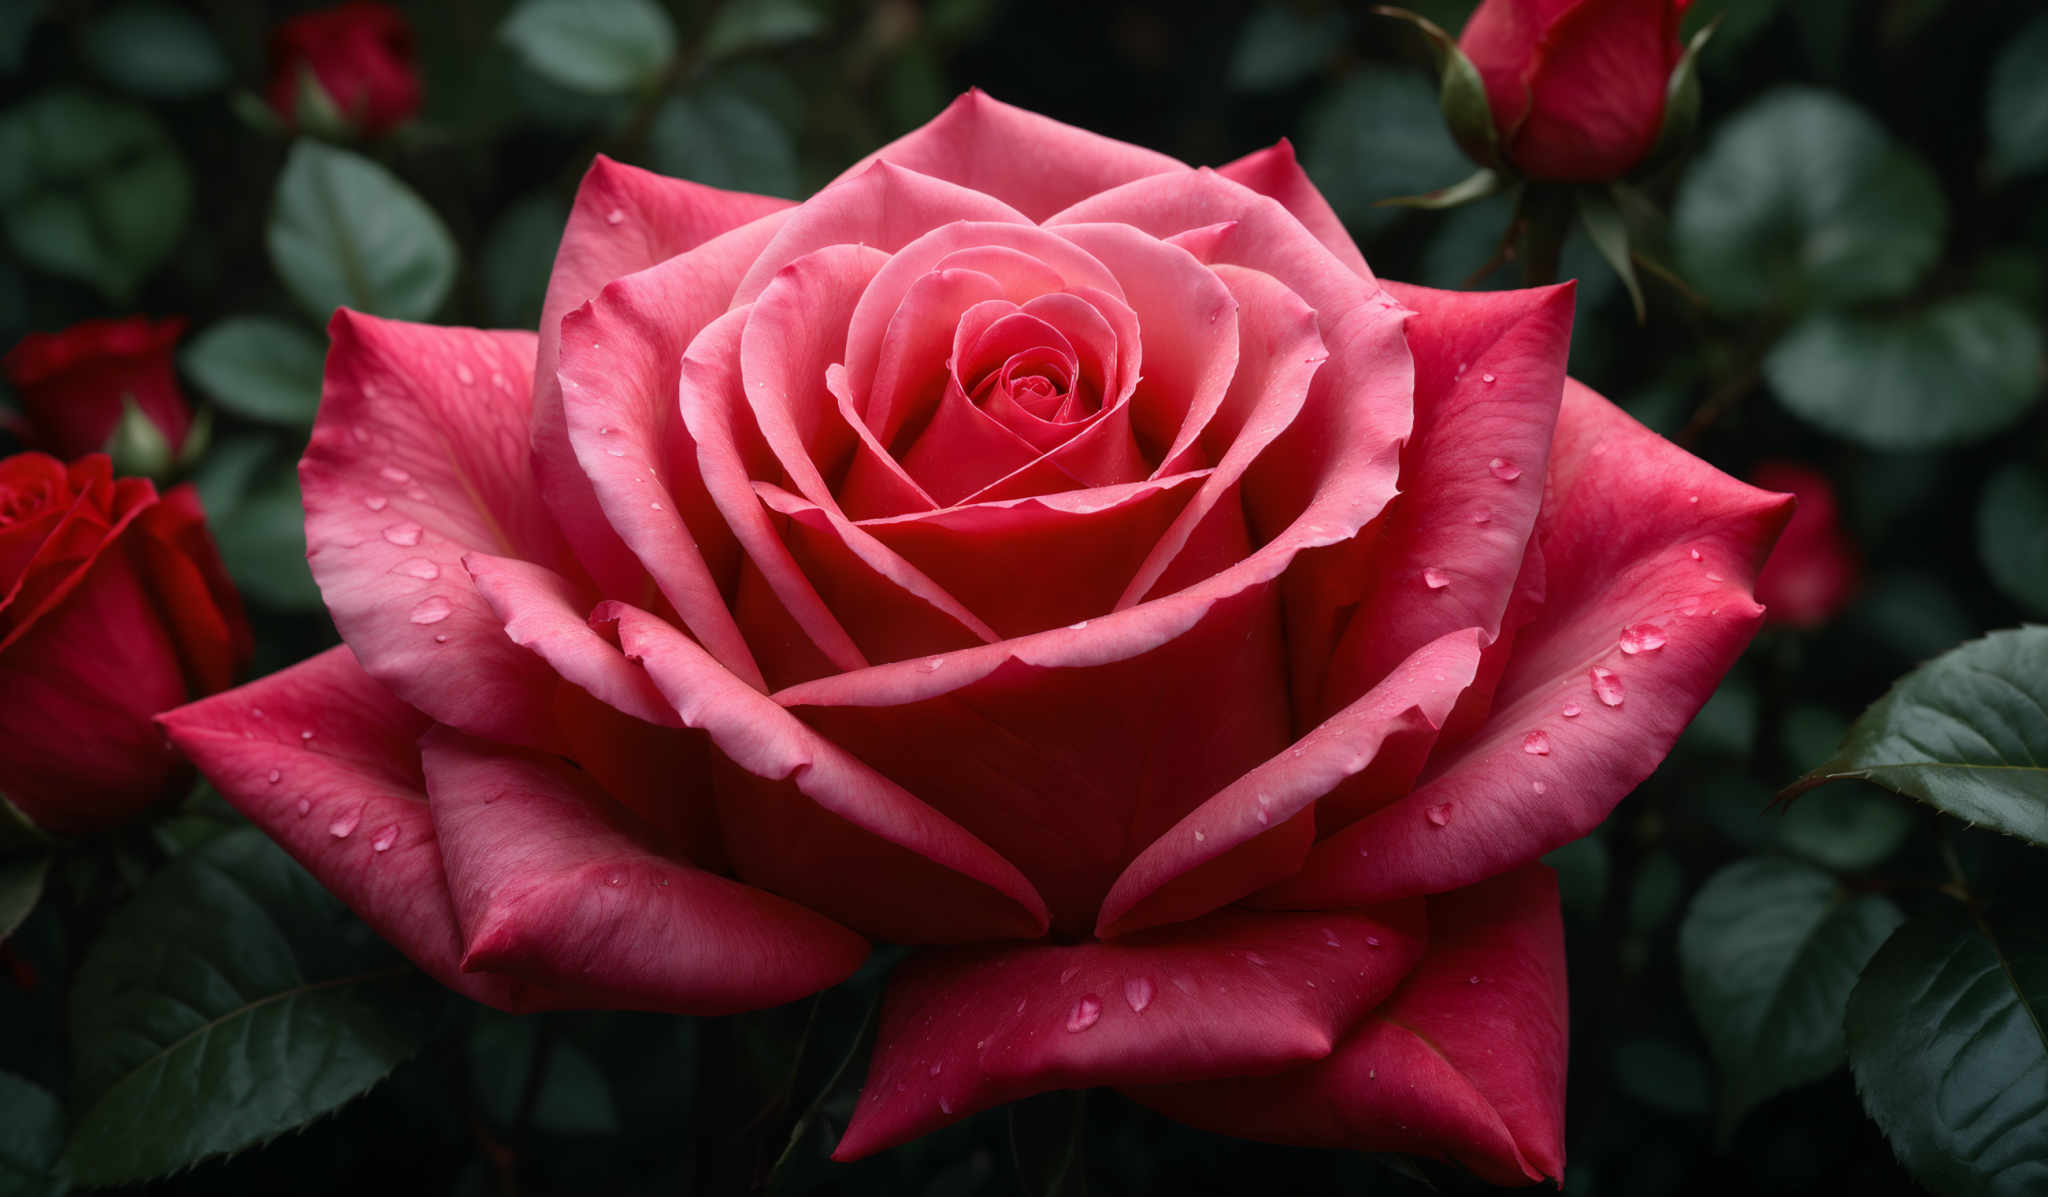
x=1714, y=577
x=615, y=216
x=464, y=375
x=1571, y=710
x=1372, y=941
x=308, y=734
x=654, y=507
x=1138, y=992
x=440, y=637
x=1641, y=638
x=362, y=435
x=417, y=567
x=385, y=839
x=1200, y=835
x=1255, y=958
x=255, y=712
x=1694, y=552
x=432, y=609
x=1085, y=1013
x=1692, y=498
x=376, y=502
x=932, y=664
x=945, y=1107
x=395, y=476
x=1503, y=469
x=1472, y=980
x=1607, y=686
x=499, y=381
x=936, y=1068
x=1435, y=578
x=1075, y=627
x=1536, y=744
x=403, y=535
x=1265, y=816
x=1482, y=518
x=1330, y=938
x=344, y=824
x=1069, y=973
x=615, y=879
x=304, y=806
x=1438, y=816
x=1538, y=786
x=276, y=776
x=1486, y=378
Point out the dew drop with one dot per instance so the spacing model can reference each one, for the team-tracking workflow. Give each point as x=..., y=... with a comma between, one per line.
x=1472, y=980
x=615, y=451
x=1438, y=816
x=945, y=1107
x=1085, y=1013
x=465, y=375
x=255, y=712
x=1691, y=606
x=1538, y=787
x=1482, y=518
x=362, y=435
x=1265, y=816
x=1503, y=469
x=1435, y=578
x=1200, y=835
x=1486, y=378
x=1075, y=627
x=1694, y=552
x=1255, y=958
x=417, y=567
x=344, y=825
x=615, y=879
x=376, y=502
x=395, y=476
x=1067, y=974
x=1571, y=710
x=304, y=806
x=1607, y=686
x=936, y=1068
x=1372, y=941
x=276, y=776
x=1536, y=744
x=1641, y=638
x=432, y=609
x=498, y=381
x=1330, y=938
x=403, y=535
x=615, y=216
x=385, y=839
x=308, y=734
x=931, y=664
x=1138, y=992
x=1714, y=577
x=654, y=507
x=440, y=637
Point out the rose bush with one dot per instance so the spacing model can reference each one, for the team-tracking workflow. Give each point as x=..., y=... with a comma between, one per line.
x=1576, y=86
x=74, y=383
x=1031, y=549
x=114, y=607
x=358, y=55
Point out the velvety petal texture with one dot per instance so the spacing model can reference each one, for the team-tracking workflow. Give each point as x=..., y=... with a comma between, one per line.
x=1076, y=568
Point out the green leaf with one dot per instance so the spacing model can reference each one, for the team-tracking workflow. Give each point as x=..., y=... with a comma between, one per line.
x=721, y=138
x=345, y=232
x=1605, y=227
x=1663, y=1075
x=155, y=49
x=1946, y=1039
x=2012, y=534
x=91, y=189
x=232, y=1000
x=1281, y=45
x=21, y=887
x=604, y=47
x=1846, y=828
x=31, y=1140
x=1049, y=1143
x=1952, y=373
x=17, y=20
x=574, y=1097
x=260, y=367
x=1376, y=134
x=759, y=25
x=262, y=541
x=1966, y=733
x=1802, y=199
x=518, y=256
x=1769, y=951
x=2016, y=107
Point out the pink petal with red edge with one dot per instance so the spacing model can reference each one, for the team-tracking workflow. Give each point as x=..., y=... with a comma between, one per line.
x=1466, y=1063
x=551, y=881
x=418, y=457
x=331, y=798
x=543, y=613
x=1033, y=163
x=1235, y=993
x=624, y=220
x=1489, y=374
x=811, y=803
x=1627, y=510
x=1248, y=835
x=1275, y=172
x=882, y=207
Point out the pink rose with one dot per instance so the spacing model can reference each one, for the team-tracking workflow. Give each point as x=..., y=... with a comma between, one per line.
x=1034, y=550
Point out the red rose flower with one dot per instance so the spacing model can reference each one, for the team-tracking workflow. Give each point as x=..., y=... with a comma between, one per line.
x=1813, y=572
x=1576, y=86
x=113, y=608
x=1031, y=549
x=361, y=55
x=74, y=384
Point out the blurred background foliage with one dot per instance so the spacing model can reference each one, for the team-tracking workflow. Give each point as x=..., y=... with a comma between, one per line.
x=1850, y=277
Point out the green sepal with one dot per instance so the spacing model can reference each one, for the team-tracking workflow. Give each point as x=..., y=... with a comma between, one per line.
x=1605, y=225
x=1484, y=182
x=1462, y=93
x=315, y=112
x=137, y=445
x=1681, y=105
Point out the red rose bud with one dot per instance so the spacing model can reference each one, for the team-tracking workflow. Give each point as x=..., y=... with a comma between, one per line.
x=113, y=607
x=1576, y=86
x=75, y=384
x=357, y=58
x=1814, y=571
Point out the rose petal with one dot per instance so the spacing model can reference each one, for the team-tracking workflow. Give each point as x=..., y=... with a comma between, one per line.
x=192, y=587
x=624, y=220
x=330, y=799
x=1275, y=172
x=797, y=805
x=418, y=456
x=550, y=881
x=1466, y=1063
x=1619, y=536
x=1035, y=164
x=971, y=1028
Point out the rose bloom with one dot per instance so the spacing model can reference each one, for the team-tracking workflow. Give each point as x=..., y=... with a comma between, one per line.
x=74, y=384
x=1576, y=86
x=1815, y=570
x=113, y=608
x=1030, y=549
x=361, y=55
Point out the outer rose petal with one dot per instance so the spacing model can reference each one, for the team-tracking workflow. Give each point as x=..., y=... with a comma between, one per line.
x=331, y=799
x=418, y=457
x=551, y=880
x=1275, y=172
x=1232, y=994
x=192, y=589
x=1467, y=1062
x=1630, y=511
x=1032, y=163
x=625, y=220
